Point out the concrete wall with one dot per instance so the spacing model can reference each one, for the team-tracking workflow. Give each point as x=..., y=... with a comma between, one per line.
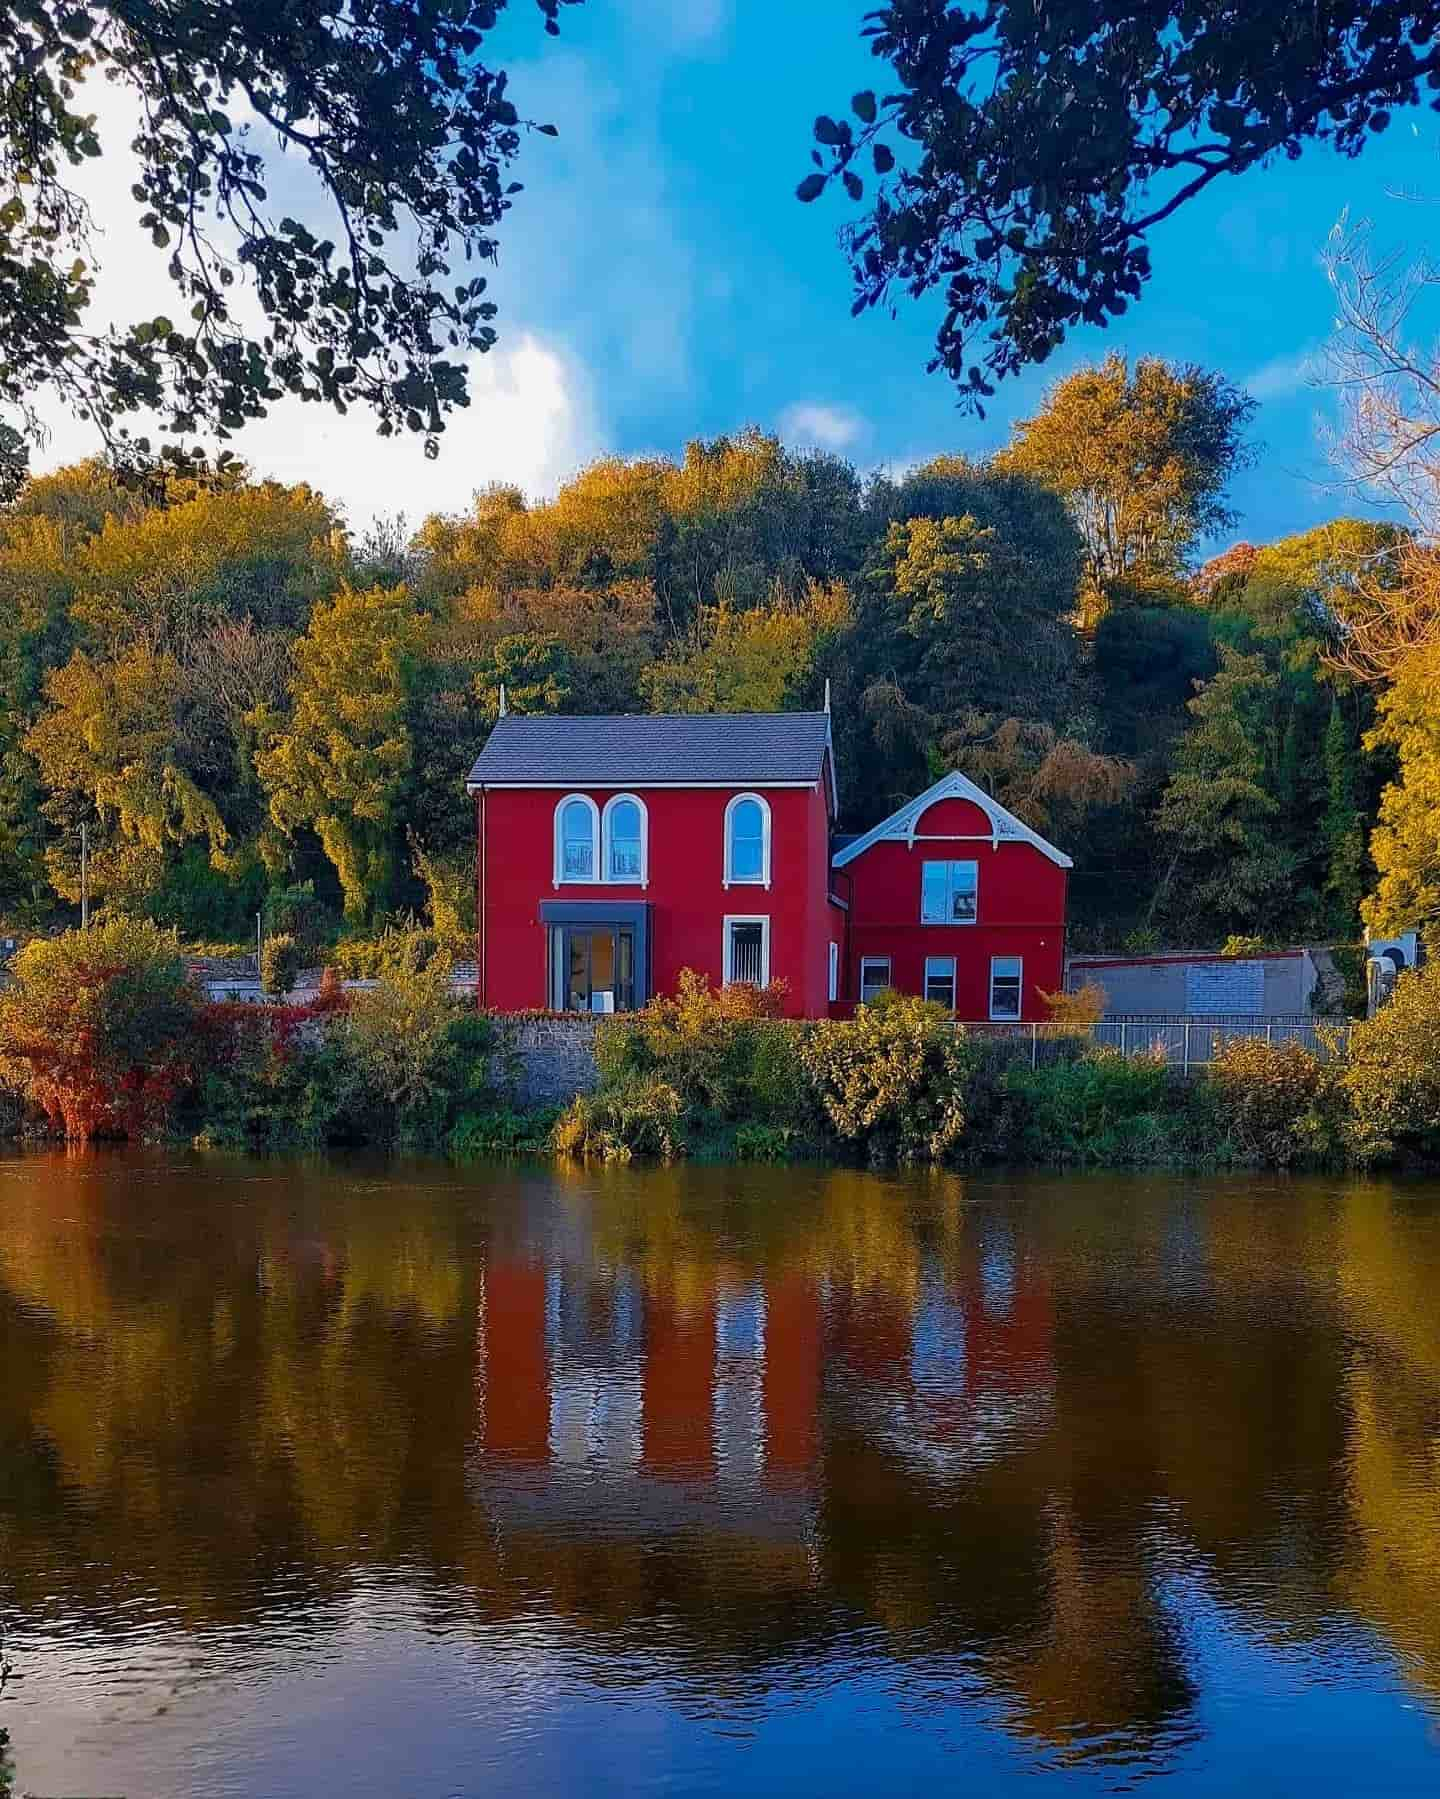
x=1276, y=986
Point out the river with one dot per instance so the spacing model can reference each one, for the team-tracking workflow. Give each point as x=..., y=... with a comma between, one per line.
x=385, y=1479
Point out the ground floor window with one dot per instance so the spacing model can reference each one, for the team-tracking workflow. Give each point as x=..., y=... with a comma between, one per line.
x=874, y=978
x=1007, y=975
x=940, y=981
x=592, y=968
x=747, y=951
x=834, y=972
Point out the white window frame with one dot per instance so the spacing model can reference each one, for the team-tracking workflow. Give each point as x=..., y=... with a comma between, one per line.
x=948, y=862
x=834, y=971
x=734, y=918
x=885, y=962
x=618, y=799
x=931, y=961
x=1019, y=1012
x=561, y=878
x=763, y=880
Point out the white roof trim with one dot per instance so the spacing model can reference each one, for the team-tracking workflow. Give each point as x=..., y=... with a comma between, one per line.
x=903, y=826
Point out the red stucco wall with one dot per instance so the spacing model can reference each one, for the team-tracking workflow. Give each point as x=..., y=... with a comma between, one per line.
x=687, y=895
x=1020, y=911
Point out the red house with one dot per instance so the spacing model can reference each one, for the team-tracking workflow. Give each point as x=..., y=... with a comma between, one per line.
x=953, y=897
x=614, y=852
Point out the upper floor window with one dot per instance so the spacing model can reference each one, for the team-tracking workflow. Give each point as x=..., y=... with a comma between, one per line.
x=576, y=839
x=947, y=892
x=625, y=839
x=747, y=840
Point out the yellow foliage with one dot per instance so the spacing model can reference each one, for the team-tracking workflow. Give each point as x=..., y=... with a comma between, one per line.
x=266, y=551
x=1404, y=846
x=113, y=736
x=1392, y=1073
x=337, y=765
x=892, y=1078
x=757, y=660
x=1083, y=1007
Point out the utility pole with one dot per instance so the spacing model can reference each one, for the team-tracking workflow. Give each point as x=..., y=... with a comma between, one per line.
x=84, y=877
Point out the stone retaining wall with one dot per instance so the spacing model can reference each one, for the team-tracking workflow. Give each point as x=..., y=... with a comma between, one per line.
x=556, y=1058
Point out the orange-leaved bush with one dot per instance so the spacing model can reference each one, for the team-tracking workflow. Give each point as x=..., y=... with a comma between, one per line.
x=99, y=1029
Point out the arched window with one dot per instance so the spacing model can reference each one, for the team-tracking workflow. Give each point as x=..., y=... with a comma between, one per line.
x=625, y=834
x=577, y=833
x=747, y=841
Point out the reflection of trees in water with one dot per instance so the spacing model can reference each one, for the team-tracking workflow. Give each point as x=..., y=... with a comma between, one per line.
x=988, y=1416
x=1389, y=1283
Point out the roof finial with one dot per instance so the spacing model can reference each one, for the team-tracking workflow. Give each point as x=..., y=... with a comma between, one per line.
x=504, y=703
x=827, y=693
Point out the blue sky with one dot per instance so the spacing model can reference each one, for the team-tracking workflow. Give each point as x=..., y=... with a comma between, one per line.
x=658, y=281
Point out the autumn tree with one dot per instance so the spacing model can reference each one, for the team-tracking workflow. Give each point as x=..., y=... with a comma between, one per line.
x=765, y=659
x=100, y=1028
x=1052, y=780
x=1021, y=155
x=112, y=749
x=407, y=130
x=1405, y=845
x=1142, y=456
x=263, y=552
x=337, y=765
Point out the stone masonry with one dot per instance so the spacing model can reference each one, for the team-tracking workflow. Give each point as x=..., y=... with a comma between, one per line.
x=556, y=1058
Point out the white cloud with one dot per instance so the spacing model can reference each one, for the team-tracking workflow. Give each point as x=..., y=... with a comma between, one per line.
x=826, y=427
x=531, y=418
x=529, y=421
x=1284, y=376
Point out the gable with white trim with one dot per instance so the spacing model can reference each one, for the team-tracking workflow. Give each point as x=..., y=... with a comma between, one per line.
x=905, y=826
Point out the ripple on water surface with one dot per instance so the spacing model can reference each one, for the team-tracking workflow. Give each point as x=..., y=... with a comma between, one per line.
x=386, y=1478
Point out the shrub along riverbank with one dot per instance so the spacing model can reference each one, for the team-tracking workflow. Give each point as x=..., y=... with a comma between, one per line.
x=101, y=1035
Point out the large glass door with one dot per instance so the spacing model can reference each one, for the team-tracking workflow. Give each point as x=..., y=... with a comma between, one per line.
x=597, y=964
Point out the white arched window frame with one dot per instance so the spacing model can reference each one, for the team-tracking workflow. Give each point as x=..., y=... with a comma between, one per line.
x=732, y=879
x=592, y=813
x=607, y=841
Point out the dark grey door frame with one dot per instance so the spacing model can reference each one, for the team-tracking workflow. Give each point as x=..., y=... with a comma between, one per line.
x=598, y=915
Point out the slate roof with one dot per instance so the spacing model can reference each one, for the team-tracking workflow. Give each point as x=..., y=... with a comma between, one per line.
x=732, y=749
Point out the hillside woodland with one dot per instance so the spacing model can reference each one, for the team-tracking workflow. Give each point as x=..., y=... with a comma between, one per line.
x=245, y=702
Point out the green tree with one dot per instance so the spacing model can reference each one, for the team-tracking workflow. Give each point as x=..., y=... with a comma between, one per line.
x=1024, y=153
x=533, y=670
x=338, y=765
x=964, y=598
x=1344, y=824
x=1216, y=812
x=967, y=563
x=1142, y=456
x=397, y=117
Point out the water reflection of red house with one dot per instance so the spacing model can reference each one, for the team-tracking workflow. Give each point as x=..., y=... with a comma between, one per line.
x=954, y=1375
x=721, y=1382
x=715, y=1384
x=514, y=1365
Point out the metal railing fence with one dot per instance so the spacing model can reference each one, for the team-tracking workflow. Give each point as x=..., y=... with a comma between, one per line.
x=1185, y=1043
